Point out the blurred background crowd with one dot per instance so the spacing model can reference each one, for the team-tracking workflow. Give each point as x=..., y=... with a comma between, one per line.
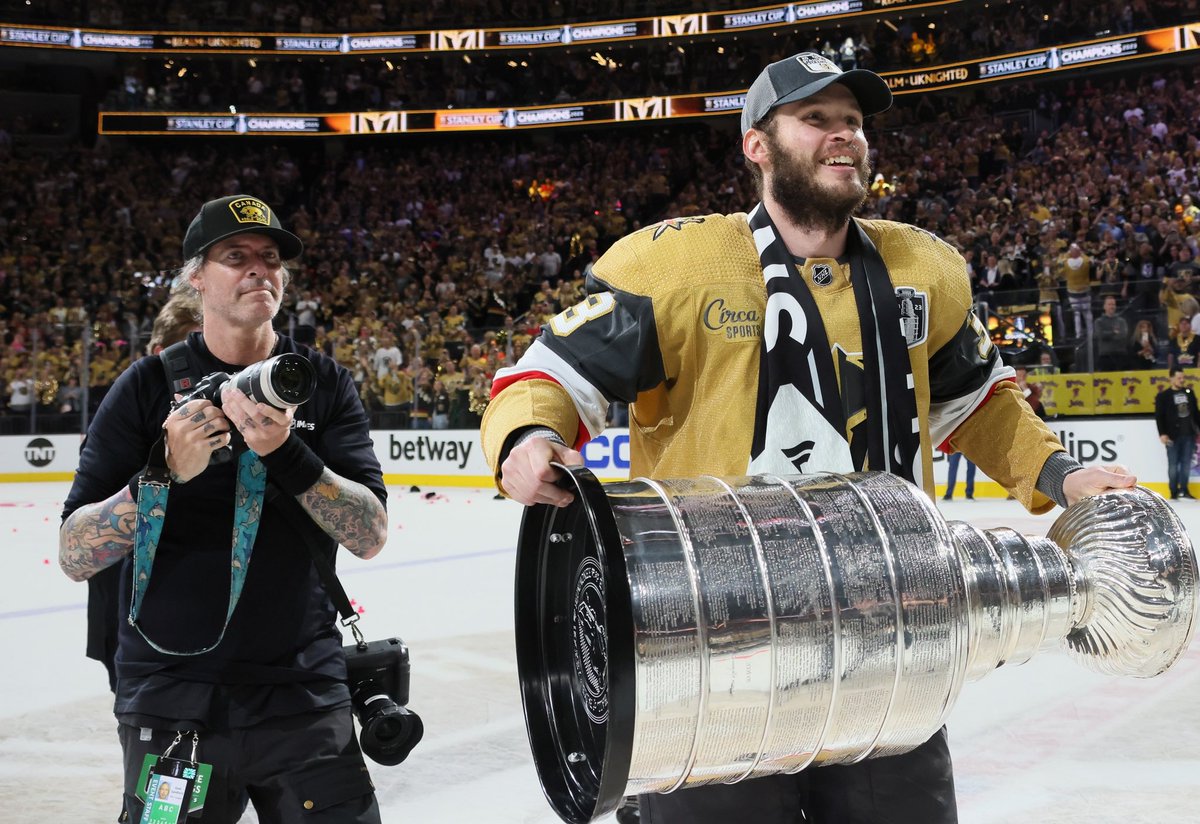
x=432, y=261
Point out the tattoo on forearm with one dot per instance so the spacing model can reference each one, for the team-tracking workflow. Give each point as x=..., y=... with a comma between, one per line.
x=348, y=511
x=97, y=536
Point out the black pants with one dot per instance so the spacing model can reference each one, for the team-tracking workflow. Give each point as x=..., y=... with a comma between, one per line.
x=914, y=788
x=301, y=768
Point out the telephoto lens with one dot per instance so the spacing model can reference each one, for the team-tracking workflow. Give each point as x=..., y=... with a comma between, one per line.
x=283, y=381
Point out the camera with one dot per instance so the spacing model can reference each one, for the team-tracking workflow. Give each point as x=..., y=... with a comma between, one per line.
x=377, y=673
x=283, y=381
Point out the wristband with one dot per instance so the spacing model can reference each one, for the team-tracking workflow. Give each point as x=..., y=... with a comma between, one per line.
x=293, y=467
x=1054, y=472
x=543, y=432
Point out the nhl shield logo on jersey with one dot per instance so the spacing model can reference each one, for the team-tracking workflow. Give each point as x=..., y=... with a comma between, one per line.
x=250, y=210
x=822, y=274
x=914, y=315
x=676, y=223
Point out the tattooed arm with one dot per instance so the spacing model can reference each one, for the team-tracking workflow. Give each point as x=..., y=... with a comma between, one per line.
x=348, y=512
x=97, y=535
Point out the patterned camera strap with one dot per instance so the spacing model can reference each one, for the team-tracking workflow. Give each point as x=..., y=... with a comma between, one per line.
x=154, y=487
x=797, y=361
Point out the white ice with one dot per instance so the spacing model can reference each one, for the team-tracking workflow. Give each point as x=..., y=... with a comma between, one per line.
x=1045, y=742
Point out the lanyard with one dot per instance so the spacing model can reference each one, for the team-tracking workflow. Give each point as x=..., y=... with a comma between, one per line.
x=151, y=510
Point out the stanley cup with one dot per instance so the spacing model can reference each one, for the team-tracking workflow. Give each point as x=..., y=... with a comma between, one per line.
x=672, y=634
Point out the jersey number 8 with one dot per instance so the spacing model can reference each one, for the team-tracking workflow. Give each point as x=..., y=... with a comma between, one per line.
x=595, y=306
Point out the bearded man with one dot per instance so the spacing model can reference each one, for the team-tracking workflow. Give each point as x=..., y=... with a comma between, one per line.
x=795, y=338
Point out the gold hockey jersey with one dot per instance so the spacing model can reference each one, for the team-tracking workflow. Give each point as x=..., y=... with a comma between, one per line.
x=673, y=324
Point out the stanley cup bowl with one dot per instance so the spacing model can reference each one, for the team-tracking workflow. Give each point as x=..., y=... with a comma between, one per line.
x=676, y=633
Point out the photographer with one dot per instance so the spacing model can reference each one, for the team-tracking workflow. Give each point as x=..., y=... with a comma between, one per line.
x=241, y=649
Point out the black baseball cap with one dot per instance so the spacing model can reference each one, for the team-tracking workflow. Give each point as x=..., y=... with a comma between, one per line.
x=233, y=215
x=803, y=75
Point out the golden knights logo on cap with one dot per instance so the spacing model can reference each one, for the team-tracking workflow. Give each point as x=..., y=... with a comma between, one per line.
x=250, y=210
x=817, y=63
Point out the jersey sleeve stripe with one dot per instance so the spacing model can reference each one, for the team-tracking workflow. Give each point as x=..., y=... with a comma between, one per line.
x=540, y=361
x=946, y=417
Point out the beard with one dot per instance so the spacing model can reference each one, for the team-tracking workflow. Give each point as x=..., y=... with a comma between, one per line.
x=806, y=201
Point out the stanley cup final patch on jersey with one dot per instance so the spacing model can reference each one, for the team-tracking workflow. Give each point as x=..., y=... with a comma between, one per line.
x=250, y=210
x=914, y=315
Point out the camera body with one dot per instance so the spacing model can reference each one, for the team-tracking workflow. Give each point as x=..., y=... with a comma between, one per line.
x=378, y=676
x=283, y=381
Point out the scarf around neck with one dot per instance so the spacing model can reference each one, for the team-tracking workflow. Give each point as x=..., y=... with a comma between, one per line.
x=800, y=420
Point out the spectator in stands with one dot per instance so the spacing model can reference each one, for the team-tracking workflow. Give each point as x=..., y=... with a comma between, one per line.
x=1143, y=346
x=306, y=309
x=1184, y=348
x=387, y=356
x=1112, y=338
x=69, y=400
x=1075, y=270
x=20, y=392
x=441, y=406
x=1176, y=287
x=1031, y=391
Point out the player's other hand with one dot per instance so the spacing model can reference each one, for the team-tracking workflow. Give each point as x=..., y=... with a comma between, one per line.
x=528, y=477
x=1093, y=480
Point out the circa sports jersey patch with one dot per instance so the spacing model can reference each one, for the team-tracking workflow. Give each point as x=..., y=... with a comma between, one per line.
x=676, y=223
x=251, y=210
x=914, y=314
x=731, y=321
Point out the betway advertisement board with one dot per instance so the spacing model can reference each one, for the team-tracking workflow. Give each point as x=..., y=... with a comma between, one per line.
x=455, y=457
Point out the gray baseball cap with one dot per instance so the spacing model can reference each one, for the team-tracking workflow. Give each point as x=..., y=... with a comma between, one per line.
x=803, y=75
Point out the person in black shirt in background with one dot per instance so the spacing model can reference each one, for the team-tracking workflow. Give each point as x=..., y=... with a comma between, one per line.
x=269, y=700
x=1178, y=422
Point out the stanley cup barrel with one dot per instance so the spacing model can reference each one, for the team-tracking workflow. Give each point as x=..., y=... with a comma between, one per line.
x=677, y=633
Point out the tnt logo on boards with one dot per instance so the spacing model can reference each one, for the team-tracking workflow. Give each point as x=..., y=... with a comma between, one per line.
x=39, y=452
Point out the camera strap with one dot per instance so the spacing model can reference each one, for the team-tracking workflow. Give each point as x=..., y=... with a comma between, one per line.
x=154, y=486
x=181, y=372
x=333, y=586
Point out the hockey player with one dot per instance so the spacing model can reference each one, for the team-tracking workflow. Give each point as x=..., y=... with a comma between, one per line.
x=791, y=339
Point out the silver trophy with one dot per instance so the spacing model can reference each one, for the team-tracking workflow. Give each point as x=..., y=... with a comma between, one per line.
x=672, y=634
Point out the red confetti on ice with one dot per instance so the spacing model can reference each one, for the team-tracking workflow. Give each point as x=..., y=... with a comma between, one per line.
x=46, y=561
x=361, y=610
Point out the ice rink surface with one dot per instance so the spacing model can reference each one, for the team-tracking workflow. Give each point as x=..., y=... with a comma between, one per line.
x=1045, y=742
